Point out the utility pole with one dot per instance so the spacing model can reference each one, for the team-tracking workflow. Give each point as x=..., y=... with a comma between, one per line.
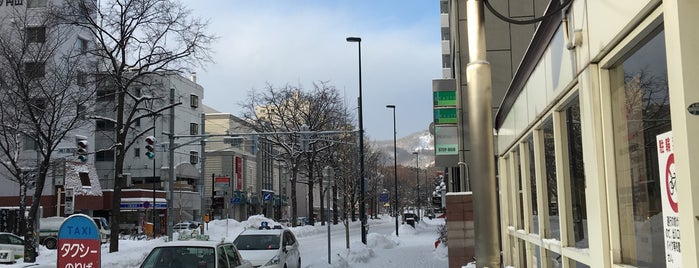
x=480, y=101
x=171, y=170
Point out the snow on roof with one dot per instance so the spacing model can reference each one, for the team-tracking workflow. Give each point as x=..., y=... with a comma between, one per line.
x=72, y=179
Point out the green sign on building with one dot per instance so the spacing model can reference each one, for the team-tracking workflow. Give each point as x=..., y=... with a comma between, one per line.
x=445, y=115
x=444, y=98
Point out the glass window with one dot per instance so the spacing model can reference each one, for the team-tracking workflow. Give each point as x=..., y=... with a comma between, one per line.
x=81, y=79
x=82, y=44
x=222, y=257
x=104, y=155
x=193, y=128
x=443, y=7
x=517, y=176
x=36, y=34
x=193, y=157
x=640, y=111
x=193, y=101
x=232, y=256
x=84, y=178
x=532, y=180
x=137, y=152
x=36, y=3
x=102, y=124
x=34, y=69
x=577, y=175
x=550, y=180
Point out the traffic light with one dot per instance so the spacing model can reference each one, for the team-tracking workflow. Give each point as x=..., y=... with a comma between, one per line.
x=81, y=147
x=150, y=149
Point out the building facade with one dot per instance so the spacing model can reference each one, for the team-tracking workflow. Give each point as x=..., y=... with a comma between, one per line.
x=243, y=178
x=595, y=139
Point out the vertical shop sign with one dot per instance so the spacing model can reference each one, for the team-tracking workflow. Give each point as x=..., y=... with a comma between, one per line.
x=668, y=189
x=239, y=173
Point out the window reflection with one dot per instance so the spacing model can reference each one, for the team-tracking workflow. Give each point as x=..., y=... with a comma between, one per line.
x=551, y=184
x=532, y=180
x=577, y=175
x=640, y=111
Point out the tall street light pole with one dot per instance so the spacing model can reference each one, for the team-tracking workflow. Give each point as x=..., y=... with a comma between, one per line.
x=395, y=167
x=417, y=181
x=362, y=203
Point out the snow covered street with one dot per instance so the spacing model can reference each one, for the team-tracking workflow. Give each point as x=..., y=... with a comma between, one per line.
x=414, y=247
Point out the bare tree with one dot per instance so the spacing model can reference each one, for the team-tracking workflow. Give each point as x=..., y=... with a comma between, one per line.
x=288, y=118
x=44, y=97
x=135, y=40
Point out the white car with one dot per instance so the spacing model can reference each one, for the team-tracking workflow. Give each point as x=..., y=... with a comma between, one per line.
x=269, y=247
x=185, y=226
x=12, y=242
x=195, y=254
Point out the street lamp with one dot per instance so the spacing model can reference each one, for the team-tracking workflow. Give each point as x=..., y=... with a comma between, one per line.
x=329, y=175
x=395, y=167
x=417, y=180
x=362, y=208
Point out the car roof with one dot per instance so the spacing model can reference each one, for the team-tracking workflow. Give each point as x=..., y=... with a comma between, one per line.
x=262, y=232
x=193, y=243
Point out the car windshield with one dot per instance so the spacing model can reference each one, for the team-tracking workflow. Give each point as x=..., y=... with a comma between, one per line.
x=257, y=242
x=180, y=257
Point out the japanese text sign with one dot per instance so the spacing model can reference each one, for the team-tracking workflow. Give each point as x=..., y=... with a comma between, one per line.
x=78, y=243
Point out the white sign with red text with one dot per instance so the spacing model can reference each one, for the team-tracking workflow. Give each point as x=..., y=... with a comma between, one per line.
x=668, y=190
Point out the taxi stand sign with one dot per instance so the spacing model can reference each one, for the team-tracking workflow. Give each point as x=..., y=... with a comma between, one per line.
x=78, y=243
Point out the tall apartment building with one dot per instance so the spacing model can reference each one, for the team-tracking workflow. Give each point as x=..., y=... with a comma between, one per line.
x=93, y=179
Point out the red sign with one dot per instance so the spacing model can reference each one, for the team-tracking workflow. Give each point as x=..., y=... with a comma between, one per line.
x=78, y=253
x=239, y=172
x=78, y=243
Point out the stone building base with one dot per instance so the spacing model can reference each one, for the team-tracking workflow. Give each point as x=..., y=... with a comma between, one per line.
x=460, y=231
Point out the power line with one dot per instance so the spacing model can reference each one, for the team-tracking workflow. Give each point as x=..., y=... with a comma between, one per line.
x=529, y=21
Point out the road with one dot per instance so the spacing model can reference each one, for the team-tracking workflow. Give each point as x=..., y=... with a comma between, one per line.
x=414, y=247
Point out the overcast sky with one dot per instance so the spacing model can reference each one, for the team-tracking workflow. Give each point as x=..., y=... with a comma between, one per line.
x=298, y=42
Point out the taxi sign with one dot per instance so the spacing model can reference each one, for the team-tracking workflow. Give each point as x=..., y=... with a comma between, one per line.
x=78, y=243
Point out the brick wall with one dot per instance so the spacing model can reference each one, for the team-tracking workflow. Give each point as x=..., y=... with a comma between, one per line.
x=460, y=232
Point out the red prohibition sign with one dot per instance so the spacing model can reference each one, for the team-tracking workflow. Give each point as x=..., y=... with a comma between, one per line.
x=671, y=182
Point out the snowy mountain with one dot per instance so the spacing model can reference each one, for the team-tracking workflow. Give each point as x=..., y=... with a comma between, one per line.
x=422, y=142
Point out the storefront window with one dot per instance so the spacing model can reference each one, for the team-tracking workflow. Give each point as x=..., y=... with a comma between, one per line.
x=518, y=177
x=640, y=111
x=532, y=180
x=551, y=183
x=577, y=176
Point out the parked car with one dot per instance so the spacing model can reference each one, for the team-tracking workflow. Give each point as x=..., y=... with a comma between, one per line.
x=185, y=226
x=269, y=247
x=303, y=221
x=194, y=254
x=13, y=243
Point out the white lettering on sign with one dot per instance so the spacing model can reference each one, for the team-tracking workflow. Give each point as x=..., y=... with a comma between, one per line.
x=76, y=249
x=11, y=2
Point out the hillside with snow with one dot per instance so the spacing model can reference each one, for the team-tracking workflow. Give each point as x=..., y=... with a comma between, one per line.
x=422, y=142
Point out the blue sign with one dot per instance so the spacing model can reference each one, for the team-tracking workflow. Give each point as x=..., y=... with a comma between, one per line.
x=78, y=226
x=142, y=205
x=267, y=196
x=383, y=197
x=235, y=200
